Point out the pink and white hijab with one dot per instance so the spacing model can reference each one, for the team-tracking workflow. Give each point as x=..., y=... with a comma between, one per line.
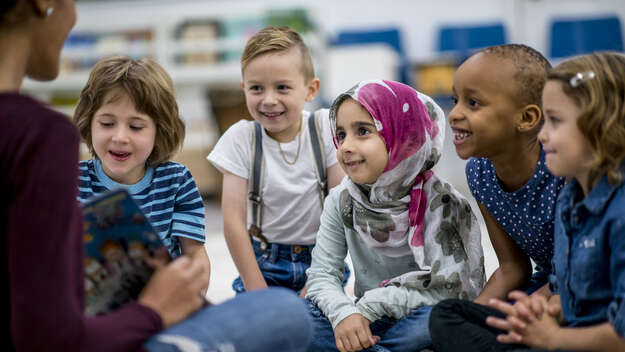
x=409, y=210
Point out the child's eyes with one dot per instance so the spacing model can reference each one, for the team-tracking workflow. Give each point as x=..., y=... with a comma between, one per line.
x=255, y=88
x=553, y=120
x=340, y=135
x=283, y=87
x=471, y=102
x=106, y=124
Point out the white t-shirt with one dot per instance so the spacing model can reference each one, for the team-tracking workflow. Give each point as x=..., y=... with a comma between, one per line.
x=291, y=205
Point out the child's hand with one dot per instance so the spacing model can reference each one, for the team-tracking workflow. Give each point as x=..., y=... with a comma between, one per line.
x=523, y=323
x=302, y=293
x=525, y=309
x=354, y=334
x=554, y=308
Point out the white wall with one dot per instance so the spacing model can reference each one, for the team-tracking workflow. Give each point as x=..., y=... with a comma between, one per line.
x=526, y=21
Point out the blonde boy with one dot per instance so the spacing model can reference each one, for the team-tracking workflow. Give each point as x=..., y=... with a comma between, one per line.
x=278, y=79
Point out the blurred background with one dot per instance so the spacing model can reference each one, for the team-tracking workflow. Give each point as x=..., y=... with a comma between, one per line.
x=421, y=43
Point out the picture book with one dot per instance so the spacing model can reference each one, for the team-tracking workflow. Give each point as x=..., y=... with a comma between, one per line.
x=118, y=239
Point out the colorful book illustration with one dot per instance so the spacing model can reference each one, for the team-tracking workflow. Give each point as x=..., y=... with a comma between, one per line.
x=118, y=239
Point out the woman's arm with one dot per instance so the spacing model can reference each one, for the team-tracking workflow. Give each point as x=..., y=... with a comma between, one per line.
x=44, y=250
x=514, y=269
x=234, y=210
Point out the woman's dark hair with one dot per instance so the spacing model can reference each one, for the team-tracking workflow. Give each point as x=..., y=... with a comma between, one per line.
x=6, y=5
x=12, y=12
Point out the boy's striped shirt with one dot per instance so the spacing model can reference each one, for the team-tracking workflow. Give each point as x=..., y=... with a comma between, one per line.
x=167, y=195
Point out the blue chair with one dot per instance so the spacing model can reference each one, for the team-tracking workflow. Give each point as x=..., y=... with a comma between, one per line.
x=390, y=36
x=571, y=37
x=455, y=44
x=463, y=40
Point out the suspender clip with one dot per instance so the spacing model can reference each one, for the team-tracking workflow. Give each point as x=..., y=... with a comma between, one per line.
x=255, y=198
x=254, y=231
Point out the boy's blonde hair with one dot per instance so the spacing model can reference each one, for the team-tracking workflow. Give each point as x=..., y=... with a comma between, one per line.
x=531, y=69
x=601, y=97
x=275, y=39
x=151, y=90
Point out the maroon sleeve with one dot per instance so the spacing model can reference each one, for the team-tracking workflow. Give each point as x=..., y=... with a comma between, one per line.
x=45, y=250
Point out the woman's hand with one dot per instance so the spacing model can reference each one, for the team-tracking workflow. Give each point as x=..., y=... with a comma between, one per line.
x=174, y=290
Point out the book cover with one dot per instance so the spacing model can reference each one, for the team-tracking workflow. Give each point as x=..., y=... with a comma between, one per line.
x=118, y=239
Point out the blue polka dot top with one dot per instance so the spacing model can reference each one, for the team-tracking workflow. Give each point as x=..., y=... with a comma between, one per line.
x=527, y=214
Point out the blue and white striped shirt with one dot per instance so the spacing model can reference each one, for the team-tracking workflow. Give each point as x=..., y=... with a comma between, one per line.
x=167, y=195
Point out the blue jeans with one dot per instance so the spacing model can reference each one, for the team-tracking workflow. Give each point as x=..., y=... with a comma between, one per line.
x=269, y=320
x=283, y=265
x=410, y=333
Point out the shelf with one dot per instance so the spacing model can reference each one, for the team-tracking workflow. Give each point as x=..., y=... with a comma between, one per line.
x=196, y=50
x=226, y=74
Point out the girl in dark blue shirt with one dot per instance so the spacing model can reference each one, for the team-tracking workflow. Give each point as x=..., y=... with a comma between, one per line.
x=496, y=120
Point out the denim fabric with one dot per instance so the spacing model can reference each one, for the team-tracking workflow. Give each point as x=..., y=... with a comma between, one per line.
x=410, y=333
x=283, y=265
x=589, y=260
x=254, y=321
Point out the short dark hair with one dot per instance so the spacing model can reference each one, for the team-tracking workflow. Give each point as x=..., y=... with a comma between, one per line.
x=531, y=69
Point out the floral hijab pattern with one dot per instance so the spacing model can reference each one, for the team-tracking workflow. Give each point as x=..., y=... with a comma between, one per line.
x=409, y=210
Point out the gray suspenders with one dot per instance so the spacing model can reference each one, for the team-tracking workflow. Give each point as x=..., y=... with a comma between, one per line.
x=256, y=178
x=255, y=182
x=320, y=157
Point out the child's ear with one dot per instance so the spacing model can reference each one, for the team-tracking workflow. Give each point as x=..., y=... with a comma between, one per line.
x=242, y=85
x=530, y=118
x=313, y=89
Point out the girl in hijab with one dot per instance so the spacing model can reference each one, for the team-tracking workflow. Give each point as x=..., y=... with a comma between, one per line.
x=412, y=237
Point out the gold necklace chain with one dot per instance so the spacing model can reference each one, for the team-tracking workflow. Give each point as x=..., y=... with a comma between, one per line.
x=299, y=144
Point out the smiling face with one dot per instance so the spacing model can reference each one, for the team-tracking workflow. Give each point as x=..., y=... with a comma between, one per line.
x=276, y=90
x=122, y=138
x=485, y=106
x=361, y=151
x=567, y=152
